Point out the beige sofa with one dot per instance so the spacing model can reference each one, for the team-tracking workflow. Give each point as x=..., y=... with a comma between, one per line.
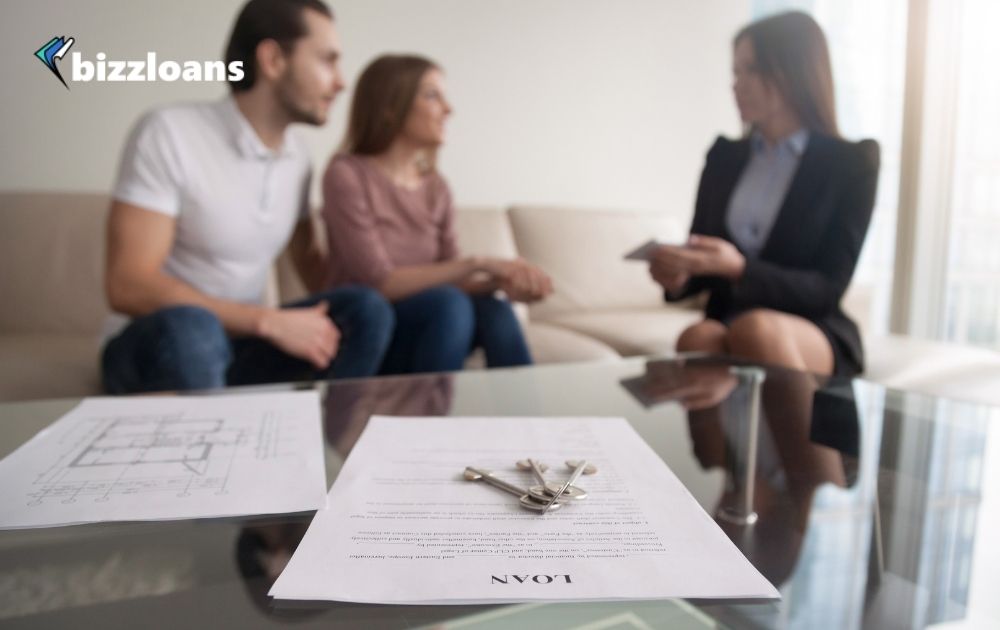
x=52, y=248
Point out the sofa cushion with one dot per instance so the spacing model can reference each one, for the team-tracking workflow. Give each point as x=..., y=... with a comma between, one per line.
x=583, y=252
x=553, y=344
x=484, y=231
x=53, y=248
x=38, y=365
x=933, y=367
x=632, y=332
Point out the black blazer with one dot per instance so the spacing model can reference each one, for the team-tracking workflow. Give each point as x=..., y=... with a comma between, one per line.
x=810, y=254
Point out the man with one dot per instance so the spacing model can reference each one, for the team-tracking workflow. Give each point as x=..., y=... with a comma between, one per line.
x=206, y=199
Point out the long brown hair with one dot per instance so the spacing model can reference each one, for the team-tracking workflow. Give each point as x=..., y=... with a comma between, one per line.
x=792, y=55
x=382, y=99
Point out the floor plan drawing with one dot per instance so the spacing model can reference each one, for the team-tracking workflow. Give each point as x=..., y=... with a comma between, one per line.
x=168, y=453
x=182, y=441
x=192, y=453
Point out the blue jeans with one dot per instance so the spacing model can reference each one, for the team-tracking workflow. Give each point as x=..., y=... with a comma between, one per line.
x=186, y=347
x=436, y=330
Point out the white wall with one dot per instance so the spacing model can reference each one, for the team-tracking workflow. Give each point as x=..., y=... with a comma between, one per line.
x=590, y=103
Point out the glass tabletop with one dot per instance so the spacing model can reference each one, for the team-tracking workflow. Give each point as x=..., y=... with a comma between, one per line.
x=865, y=507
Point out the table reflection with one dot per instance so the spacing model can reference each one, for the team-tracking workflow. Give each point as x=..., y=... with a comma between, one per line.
x=789, y=465
x=263, y=550
x=348, y=406
x=866, y=500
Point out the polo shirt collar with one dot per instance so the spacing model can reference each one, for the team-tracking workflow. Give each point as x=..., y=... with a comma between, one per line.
x=245, y=139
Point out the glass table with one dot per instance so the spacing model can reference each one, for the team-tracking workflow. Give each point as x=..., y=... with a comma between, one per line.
x=865, y=507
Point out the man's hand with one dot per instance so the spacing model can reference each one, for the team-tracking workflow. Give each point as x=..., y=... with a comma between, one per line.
x=303, y=332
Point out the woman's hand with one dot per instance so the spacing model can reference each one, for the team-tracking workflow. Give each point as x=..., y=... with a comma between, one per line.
x=520, y=280
x=525, y=282
x=702, y=256
x=667, y=275
x=694, y=386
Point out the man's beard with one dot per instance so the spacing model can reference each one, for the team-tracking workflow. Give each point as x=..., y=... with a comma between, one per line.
x=294, y=112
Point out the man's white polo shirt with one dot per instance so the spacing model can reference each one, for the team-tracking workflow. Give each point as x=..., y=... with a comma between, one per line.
x=235, y=201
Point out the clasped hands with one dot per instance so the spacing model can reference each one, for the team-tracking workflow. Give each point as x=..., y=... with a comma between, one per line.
x=671, y=266
x=519, y=279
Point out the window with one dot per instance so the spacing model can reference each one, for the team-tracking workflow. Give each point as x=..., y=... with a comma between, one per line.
x=972, y=277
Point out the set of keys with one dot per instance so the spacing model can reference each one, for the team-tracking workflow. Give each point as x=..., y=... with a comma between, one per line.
x=545, y=496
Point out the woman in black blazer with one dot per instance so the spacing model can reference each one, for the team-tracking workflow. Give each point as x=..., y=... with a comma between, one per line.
x=780, y=215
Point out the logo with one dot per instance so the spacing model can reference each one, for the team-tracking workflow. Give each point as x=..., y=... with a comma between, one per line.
x=150, y=69
x=53, y=51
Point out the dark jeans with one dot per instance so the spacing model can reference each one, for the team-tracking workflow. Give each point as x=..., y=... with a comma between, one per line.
x=185, y=347
x=436, y=330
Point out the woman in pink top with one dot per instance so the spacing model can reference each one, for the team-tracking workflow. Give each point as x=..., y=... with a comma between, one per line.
x=390, y=223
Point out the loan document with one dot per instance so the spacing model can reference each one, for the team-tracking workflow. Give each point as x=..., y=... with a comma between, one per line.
x=169, y=457
x=402, y=525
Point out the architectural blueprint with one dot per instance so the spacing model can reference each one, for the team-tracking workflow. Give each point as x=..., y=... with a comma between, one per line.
x=152, y=458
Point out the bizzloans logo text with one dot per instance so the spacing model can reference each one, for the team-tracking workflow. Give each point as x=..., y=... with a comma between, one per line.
x=148, y=70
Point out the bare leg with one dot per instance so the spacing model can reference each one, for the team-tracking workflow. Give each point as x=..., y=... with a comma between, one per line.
x=705, y=336
x=780, y=339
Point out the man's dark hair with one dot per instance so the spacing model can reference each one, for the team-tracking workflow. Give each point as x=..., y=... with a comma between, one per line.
x=280, y=20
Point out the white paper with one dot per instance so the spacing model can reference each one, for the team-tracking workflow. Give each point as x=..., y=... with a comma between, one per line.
x=403, y=526
x=152, y=458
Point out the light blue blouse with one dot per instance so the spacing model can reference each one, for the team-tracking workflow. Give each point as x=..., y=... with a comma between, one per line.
x=761, y=189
